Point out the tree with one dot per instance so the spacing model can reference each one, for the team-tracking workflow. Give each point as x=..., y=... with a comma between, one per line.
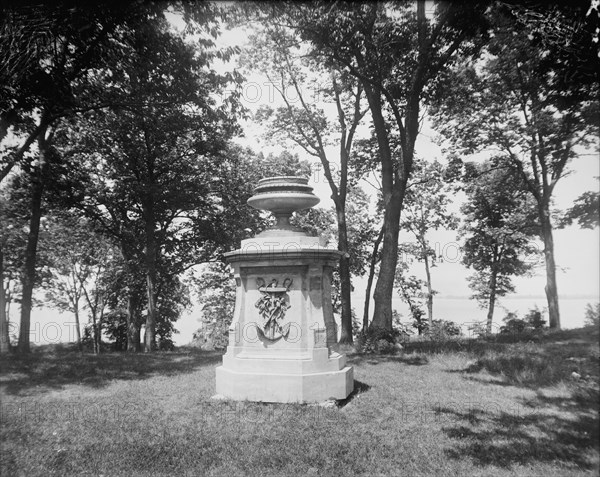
x=71, y=60
x=158, y=150
x=11, y=241
x=14, y=237
x=361, y=233
x=396, y=52
x=425, y=209
x=216, y=293
x=278, y=53
x=48, y=53
x=533, y=101
x=78, y=256
x=412, y=291
x=592, y=315
x=499, y=223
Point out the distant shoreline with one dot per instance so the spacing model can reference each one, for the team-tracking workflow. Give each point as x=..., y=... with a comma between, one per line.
x=510, y=297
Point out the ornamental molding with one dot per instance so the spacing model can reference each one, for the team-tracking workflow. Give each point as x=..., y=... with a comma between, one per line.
x=272, y=306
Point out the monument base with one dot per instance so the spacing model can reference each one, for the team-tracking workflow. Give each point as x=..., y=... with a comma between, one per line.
x=282, y=337
x=284, y=388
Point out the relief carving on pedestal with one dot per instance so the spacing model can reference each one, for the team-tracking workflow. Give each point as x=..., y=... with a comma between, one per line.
x=272, y=306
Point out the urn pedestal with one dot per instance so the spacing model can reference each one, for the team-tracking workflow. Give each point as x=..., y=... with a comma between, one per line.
x=282, y=338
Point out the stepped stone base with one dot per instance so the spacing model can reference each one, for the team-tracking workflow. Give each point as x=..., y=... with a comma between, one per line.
x=284, y=387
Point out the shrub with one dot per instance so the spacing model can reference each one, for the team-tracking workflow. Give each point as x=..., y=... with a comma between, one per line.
x=443, y=329
x=534, y=319
x=513, y=325
x=478, y=330
x=532, y=322
x=376, y=341
x=592, y=315
x=401, y=330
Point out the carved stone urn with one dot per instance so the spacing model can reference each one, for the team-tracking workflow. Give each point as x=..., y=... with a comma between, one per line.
x=283, y=334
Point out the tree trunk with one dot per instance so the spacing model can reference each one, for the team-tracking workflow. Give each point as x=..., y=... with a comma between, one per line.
x=393, y=195
x=551, y=287
x=345, y=281
x=28, y=274
x=95, y=331
x=429, y=289
x=133, y=328
x=492, y=303
x=78, y=328
x=4, y=338
x=98, y=329
x=382, y=316
x=150, y=257
x=370, y=279
x=18, y=155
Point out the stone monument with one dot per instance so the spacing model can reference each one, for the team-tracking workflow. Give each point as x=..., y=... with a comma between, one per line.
x=283, y=334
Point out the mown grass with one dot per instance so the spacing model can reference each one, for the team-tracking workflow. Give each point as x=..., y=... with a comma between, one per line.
x=478, y=408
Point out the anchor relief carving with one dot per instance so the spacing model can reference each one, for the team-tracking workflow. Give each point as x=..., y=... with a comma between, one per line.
x=272, y=306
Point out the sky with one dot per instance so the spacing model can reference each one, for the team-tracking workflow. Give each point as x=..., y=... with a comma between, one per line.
x=577, y=251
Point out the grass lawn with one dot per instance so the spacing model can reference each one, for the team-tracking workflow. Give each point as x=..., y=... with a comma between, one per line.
x=469, y=408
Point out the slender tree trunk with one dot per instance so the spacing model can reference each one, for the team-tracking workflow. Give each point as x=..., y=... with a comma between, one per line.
x=370, y=279
x=98, y=329
x=551, y=287
x=492, y=302
x=4, y=339
x=28, y=274
x=78, y=328
x=429, y=289
x=150, y=256
x=345, y=281
x=95, y=329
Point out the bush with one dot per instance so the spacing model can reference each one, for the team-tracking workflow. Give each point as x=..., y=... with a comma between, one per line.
x=478, y=330
x=443, y=329
x=592, y=315
x=376, y=341
x=534, y=319
x=532, y=322
x=513, y=325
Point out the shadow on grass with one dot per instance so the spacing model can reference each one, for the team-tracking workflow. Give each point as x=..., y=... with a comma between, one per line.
x=47, y=369
x=537, y=432
x=410, y=359
x=359, y=388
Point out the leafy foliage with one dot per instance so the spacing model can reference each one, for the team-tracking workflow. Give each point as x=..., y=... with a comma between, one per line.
x=413, y=292
x=532, y=321
x=532, y=101
x=585, y=211
x=592, y=315
x=396, y=53
x=426, y=209
x=500, y=220
x=442, y=329
x=376, y=341
x=216, y=292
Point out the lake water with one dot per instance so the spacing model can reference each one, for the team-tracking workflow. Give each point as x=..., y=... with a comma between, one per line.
x=50, y=326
